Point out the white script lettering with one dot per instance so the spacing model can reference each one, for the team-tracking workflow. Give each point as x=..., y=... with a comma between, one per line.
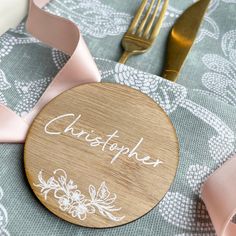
x=94, y=140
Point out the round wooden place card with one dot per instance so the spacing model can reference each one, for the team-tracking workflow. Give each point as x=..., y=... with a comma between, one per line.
x=101, y=155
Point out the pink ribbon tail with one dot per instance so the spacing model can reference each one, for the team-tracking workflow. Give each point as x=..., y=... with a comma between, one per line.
x=13, y=128
x=219, y=196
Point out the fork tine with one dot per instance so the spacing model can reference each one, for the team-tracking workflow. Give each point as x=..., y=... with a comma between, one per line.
x=159, y=21
x=137, y=16
x=140, y=29
x=149, y=26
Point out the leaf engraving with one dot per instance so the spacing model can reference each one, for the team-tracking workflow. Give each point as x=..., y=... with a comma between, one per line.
x=71, y=200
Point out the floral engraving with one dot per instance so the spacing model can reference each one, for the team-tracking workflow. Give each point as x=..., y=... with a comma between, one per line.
x=72, y=201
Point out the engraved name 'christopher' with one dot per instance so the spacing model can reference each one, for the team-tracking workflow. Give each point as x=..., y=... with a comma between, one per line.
x=94, y=140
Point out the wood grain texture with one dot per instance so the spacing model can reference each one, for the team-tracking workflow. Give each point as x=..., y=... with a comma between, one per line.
x=104, y=109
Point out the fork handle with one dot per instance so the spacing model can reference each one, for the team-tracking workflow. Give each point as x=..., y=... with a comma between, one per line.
x=125, y=57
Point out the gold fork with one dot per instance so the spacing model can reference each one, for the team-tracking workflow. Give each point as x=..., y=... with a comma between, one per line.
x=139, y=38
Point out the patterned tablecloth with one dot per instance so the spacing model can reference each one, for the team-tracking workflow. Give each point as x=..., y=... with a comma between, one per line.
x=202, y=107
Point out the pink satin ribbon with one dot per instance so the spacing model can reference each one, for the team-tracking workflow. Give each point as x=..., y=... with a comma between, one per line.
x=219, y=195
x=219, y=190
x=64, y=35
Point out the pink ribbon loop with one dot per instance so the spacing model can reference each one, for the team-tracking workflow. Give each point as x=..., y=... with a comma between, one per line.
x=219, y=196
x=64, y=35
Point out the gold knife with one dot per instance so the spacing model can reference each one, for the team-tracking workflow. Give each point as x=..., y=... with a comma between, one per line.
x=181, y=38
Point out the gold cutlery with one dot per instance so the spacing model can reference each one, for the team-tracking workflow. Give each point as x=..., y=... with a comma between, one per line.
x=181, y=38
x=142, y=33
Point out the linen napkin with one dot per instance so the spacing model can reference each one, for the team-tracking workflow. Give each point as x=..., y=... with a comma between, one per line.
x=201, y=111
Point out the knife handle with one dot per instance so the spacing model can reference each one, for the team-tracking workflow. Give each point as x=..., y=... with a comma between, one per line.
x=170, y=75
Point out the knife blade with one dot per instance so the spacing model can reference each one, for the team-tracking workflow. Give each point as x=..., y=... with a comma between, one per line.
x=181, y=38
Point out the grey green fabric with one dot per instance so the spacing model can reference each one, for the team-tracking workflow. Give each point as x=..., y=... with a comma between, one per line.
x=201, y=105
